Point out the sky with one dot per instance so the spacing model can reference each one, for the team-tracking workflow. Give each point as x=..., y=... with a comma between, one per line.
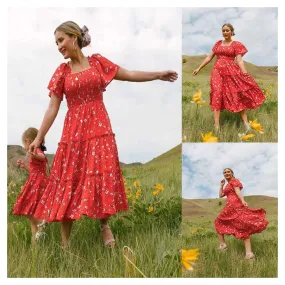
x=254, y=164
x=146, y=117
x=256, y=28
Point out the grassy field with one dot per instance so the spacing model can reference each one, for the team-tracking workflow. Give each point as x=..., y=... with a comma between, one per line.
x=153, y=236
x=198, y=232
x=197, y=119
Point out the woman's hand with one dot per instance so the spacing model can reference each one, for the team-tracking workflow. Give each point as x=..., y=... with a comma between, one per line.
x=20, y=163
x=223, y=182
x=168, y=75
x=33, y=146
x=195, y=72
x=244, y=203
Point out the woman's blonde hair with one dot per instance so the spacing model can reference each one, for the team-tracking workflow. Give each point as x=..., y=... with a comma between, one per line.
x=72, y=29
x=230, y=170
x=231, y=28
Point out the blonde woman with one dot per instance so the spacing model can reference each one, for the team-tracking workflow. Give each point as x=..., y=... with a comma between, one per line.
x=86, y=177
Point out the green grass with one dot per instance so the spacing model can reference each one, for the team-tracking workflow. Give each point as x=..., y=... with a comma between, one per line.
x=198, y=232
x=199, y=119
x=153, y=237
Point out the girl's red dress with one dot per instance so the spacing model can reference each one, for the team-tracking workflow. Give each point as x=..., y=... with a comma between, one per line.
x=230, y=88
x=34, y=187
x=85, y=178
x=237, y=219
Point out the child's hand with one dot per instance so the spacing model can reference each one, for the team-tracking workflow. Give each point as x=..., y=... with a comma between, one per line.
x=20, y=163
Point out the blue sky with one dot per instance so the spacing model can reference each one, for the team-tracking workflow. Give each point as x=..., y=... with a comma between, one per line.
x=256, y=28
x=146, y=117
x=255, y=164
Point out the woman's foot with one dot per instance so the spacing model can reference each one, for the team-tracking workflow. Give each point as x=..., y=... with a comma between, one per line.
x=247, y=126
x=217, y=129
x=107, y=235
x=249, y=255
x=222, y=246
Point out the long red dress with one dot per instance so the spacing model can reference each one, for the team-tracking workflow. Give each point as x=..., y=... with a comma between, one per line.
x=237, y=219
x=34, y=187
x=230, y=88
x=86, y=178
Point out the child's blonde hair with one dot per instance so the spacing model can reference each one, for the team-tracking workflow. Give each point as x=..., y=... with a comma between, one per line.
x=31, y=134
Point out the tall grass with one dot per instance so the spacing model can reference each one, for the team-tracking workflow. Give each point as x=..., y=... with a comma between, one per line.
x=152, y=236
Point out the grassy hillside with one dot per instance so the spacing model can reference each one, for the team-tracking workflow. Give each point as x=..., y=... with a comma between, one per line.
x=152, y=235
x=198, y=232
x=199, y=119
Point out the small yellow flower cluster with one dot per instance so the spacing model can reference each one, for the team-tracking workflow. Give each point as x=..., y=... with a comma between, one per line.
x=158, y=188
x=209, y=138
x=197, y=98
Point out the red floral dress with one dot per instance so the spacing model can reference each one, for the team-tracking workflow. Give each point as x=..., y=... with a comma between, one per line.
x=85, y=178
x=237, y=219
x=230, y=88
x=34, y=187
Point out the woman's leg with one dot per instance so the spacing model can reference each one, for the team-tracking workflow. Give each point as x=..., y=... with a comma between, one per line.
x=107, y=234
x=34, y=229
x=221, y=239
x=244, y=117
x=65, y=232
x=247, y=245
x=217, y=118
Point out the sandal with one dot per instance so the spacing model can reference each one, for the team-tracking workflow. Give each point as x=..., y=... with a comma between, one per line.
x=249, y=256
x=222, y=247
x=110, y=243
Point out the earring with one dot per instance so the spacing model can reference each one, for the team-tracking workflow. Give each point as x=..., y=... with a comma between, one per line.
x=74, y=47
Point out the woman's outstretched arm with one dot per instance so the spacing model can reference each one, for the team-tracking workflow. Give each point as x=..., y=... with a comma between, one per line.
x=240, y=63
x=48, y=120
x=238, y=192
x=205, y=62
x=142, y=76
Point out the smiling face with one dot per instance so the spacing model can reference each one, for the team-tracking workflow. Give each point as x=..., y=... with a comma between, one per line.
x=227, y=32
x=65, y=43
x=228, y=174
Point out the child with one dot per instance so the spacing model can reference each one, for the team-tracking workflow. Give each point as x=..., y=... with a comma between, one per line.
x=35, y=185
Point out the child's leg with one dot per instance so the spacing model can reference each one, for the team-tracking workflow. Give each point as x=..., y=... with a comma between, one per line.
x=65, y=232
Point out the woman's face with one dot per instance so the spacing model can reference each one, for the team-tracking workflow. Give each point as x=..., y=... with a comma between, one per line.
x=64, y=44
x=227, y=33
x=228, y=174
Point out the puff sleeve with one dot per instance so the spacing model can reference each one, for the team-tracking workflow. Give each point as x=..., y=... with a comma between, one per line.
x=236, y=183
x=215, y=47
x=107, y=69
x=239, y=49
x=56, y=84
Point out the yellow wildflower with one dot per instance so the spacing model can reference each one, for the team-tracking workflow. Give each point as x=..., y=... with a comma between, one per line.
x=129, y=196
x=256, y=126
x=194, y=231
x=150, y=209
x=209, y=138
x=136, y=183
x=138, y=193
x=188, y=257
x=125, y=181
x=128, y=190
x=197, y=96
x=159, y=187
x=245, y=137
x=155, y=192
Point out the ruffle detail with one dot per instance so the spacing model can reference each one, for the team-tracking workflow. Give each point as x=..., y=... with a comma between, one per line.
x=105, y=67
x=236, y=183
x=86, y=180
x=239, y=48
x=216, y=45
x=56, y=84
x=241, y=222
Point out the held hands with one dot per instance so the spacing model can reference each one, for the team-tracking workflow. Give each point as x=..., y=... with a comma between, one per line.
x=195, y=72
x=33, y=146
x=20, y=163
x=168, y=75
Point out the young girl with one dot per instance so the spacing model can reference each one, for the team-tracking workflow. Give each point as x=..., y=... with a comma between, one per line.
x=237, y=218
x=36, y=183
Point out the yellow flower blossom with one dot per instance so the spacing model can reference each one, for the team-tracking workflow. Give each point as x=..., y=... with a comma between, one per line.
x=155, y=192
x=188, y=258
x=256, y=126
x=125, y=181
x=136, y=183
x=194, y=231
x=129, y=196
x=128, y=190
x=159, y=187
x=138, y=193
x=209, y=138
x=197, y=98
x=150, y=209
x=245, y=137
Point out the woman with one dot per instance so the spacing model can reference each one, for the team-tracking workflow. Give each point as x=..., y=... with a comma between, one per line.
x=236, y=218
x=86, y=177
x=231, y=86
